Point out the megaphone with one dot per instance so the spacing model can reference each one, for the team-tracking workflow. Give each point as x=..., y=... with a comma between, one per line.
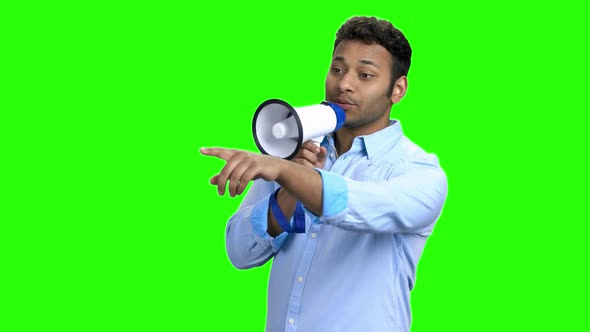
x=280, y=129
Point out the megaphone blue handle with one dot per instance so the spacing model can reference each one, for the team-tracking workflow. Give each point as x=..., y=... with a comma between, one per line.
x=340, y=114
x=282, y=220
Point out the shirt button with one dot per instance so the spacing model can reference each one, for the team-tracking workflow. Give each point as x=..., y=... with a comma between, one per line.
x=314, y=235
x=291, y=321
x=332, y=155
x=300, y=279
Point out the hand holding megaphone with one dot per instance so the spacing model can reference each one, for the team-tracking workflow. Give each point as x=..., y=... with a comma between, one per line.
x=280, y=129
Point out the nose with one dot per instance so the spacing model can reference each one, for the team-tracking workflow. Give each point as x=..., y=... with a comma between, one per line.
x=346, y=82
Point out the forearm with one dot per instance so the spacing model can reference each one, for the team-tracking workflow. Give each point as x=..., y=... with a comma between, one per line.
x=303, y=184
x=287, y=204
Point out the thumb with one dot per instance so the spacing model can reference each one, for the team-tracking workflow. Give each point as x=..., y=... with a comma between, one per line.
x=322, y=155
x=213, y=180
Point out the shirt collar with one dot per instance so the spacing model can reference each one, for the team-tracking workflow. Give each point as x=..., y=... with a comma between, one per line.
x=382, y=140
x=374, y=143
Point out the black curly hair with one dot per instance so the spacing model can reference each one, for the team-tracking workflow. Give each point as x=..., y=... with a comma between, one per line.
x=371, y=30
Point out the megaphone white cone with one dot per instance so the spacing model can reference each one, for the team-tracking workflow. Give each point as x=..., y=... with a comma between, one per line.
x=280, y=129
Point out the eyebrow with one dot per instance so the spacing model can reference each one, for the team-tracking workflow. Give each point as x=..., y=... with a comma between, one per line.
x=362, y=61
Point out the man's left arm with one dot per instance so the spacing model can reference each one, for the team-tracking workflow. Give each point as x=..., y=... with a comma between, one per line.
x=304, y=183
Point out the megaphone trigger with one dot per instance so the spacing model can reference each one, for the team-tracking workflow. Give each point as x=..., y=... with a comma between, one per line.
x=317, y=140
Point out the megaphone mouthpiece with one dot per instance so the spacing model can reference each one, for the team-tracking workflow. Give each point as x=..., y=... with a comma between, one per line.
x=285, y=129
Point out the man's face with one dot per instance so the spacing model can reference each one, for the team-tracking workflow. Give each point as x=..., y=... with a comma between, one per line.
x=358, y=81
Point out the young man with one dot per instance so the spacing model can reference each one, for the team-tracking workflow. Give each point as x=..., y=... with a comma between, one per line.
x=371, y=199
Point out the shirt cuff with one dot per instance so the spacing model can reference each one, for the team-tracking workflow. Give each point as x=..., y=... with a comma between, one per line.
x=259, y=220
x=334, y=194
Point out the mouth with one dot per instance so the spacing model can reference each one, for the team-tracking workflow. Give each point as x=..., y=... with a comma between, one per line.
x=344, y=103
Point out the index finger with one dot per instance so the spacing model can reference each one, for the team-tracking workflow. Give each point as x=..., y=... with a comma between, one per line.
x=221, y=153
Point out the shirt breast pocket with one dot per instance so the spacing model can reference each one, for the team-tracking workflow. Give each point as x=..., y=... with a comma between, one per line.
x=384, y=170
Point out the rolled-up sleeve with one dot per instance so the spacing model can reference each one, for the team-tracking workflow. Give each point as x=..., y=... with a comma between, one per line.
x=334, y=194
x=247, y=242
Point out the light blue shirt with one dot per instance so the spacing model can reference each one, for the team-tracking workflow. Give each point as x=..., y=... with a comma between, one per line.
x=354, y=267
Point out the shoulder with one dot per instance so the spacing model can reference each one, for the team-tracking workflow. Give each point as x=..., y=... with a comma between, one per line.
x=402, y=157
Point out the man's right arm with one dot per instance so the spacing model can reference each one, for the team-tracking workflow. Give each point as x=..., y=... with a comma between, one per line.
x=309, y=155
x=253, y=234
x=287, y=204
x=247, y=238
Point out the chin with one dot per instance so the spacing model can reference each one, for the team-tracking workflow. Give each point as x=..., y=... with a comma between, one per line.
x=349, y=125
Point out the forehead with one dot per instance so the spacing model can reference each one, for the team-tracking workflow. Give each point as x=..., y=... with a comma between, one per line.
x=356, y=52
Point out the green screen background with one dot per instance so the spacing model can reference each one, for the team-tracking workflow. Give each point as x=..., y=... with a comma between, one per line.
x=108, y=222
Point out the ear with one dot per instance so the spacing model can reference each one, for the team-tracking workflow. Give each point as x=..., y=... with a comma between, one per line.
x=399, y=89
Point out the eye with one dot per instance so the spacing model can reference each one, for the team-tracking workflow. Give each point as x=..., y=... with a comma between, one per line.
x=336, y=70
x=365, y=76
